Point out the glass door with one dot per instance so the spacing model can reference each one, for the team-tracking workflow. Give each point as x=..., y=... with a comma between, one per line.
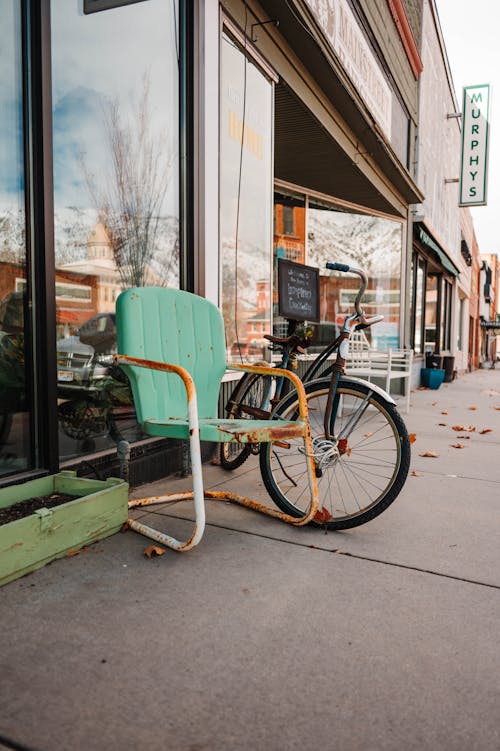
x=16, y=448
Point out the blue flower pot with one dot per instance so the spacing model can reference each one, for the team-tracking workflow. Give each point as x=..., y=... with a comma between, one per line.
x=432, y=377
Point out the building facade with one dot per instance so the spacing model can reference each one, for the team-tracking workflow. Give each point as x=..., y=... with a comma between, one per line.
x=194, y=144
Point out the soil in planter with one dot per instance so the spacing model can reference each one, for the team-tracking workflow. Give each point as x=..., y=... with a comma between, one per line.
x=30, y=505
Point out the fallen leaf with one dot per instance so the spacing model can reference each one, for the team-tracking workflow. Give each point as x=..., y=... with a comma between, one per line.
x=153, y=550
x=72, y=553
x=457, y=445
x=322, y=516
x=416, y=474
x=444, y=412
x=457, y=427
x=442, y=424
x=464, y=437
x=368, y=435
x=429, y=453
x=412, y=437
x=472, y=408
x=486, y=430
x=469, y=429
x=433, y=404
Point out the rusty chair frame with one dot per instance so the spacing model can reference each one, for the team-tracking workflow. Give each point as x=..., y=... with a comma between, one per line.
x=154, y=321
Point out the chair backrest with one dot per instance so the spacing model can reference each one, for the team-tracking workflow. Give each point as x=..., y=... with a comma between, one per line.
x=168, y=325
x=358, y=342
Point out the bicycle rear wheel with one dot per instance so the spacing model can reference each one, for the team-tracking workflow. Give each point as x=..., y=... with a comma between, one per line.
x=245, y=402
x=359, y=473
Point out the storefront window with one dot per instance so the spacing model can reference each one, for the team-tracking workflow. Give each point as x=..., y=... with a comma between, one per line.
x=417, y=304
x=15, y=452
x=445, y=315
x=289, y=242
x=245, y=201
x=431, y=311
x=116, y=198
x=371, y=243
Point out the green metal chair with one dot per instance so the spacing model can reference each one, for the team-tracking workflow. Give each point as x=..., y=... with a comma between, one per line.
x=172, y=347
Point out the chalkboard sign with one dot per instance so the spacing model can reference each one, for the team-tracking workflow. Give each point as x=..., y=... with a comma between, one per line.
x=298, y=291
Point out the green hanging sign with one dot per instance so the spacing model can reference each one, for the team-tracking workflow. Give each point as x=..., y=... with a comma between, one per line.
x=475, y=134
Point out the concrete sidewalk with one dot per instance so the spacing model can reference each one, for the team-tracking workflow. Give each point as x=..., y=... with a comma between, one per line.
x=271, y=637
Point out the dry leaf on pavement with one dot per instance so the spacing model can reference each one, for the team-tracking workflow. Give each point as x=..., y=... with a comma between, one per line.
x=464, y=437
x=457, y=445
x=442, y=424
x=153, y=550
x=416, y=474
x=412, y=437
x=429, y=453
x=472, y=408
x=444, y=412
x=486, y=430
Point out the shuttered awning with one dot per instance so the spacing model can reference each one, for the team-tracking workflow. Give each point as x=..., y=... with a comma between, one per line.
x=443, y=257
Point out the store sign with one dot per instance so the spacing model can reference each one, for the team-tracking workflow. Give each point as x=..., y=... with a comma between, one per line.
x=475, y=133
x=347, y=39
x=94, y=6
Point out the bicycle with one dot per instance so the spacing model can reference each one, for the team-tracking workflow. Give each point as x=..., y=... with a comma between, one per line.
x=361, y=445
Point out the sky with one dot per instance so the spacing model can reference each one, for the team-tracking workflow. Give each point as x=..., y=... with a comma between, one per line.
x=470, y=31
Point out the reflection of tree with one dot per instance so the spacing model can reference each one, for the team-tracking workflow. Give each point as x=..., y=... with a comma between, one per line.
x=130, y=199
x=13, y=236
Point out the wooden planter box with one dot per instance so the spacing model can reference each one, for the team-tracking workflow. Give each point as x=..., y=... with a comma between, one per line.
x=99, y=510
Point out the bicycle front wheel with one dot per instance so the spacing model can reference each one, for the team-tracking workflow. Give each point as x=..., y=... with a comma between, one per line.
x=359, y=472
x=246, y=402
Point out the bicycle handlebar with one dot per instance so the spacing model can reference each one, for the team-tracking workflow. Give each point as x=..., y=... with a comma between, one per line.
x=352, y=270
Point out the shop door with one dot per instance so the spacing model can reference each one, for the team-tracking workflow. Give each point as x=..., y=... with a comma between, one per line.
x=17, y=449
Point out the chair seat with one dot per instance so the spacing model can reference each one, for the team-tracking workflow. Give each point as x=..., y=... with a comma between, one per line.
x=225, y=431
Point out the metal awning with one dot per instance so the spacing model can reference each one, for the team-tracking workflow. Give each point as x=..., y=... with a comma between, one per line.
x=444, y=259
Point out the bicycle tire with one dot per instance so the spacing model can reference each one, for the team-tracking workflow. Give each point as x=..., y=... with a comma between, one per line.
x=247, y=398
x=376, y=451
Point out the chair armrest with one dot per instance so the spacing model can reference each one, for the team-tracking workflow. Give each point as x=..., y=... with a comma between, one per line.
x=277, y=373
x=166, y=368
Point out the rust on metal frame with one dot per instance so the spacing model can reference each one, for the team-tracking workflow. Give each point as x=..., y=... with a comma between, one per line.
x=222, y=495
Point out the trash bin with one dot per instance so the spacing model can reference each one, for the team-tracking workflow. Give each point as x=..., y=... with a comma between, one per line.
x=449, y=367
x=433, y=361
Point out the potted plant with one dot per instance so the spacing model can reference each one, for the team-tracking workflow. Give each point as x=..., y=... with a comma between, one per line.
x=47, y=518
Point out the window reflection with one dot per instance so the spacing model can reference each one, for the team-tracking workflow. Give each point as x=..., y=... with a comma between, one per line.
x=115, y=99
x=14, y=410
x=371, y=243
x=245, y=202
x=289, y=242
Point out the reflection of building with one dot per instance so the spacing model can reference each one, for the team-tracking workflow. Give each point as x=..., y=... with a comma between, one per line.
x=76, y=294
x=101, y=263
x=259, y=324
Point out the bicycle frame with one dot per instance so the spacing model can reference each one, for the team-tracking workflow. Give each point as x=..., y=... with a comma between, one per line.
x=340, y=345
